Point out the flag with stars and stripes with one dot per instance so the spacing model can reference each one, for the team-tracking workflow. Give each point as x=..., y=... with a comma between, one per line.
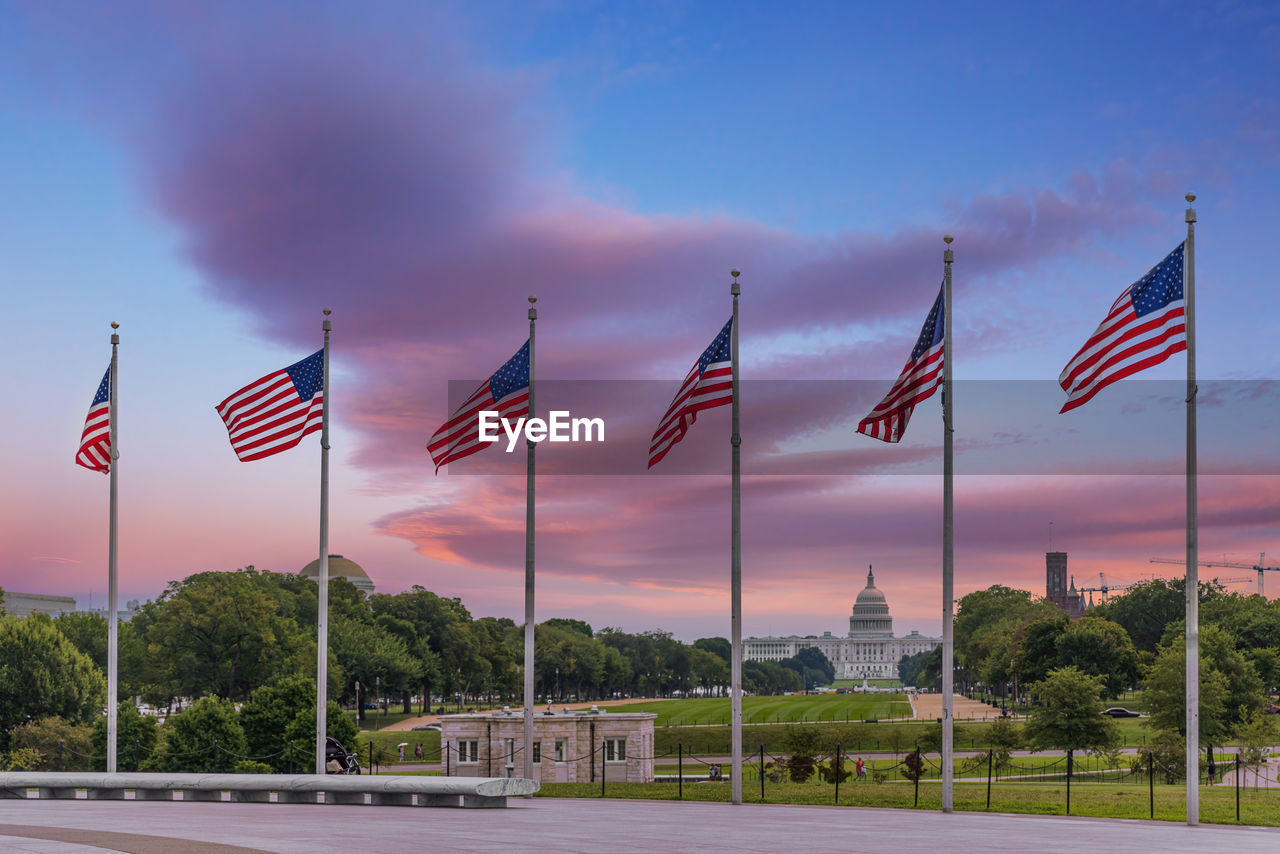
x=918, y=381
x=1146, y=325
x=505, y=392
x=272, y=414
x=95, y=439
x=708, y=384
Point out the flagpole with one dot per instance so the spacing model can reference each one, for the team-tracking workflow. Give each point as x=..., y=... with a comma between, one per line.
x=322, y=610
x=1193, y=544
x=948, y=535
x=113, y=633
x=735, y=559
x=528, y=572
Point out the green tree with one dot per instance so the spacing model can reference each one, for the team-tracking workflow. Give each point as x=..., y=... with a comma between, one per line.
x=61, y=745
x=367, y=653
x=1229, y=686
x=1037, y=648
x=578, y=626
x=300, y=735
x=223, y=633
x=1101, y=648
x=1255, y=735
x=1145, y=610
x=87, y=630
x=136, y=738
x=802, y=743
x=1068, y=714
x=1004, y=736
x=205, y=737
x=43, y=674
x=266, y=715
x=716, y=646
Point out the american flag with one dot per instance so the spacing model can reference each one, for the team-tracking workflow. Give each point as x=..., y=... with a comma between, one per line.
x=918, y=381
x=95, y=441
x=505, y=392
x=708, y=384
x=272, y=414
x=1146, y=325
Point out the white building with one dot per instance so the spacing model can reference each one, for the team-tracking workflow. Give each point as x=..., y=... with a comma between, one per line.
x=869, y=651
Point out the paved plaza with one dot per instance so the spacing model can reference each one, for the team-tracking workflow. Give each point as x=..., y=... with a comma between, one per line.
x=571, y=826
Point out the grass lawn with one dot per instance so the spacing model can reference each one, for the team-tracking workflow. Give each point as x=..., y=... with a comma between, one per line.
x=869, y=737
x=386, y=753
x=829, y=708
x=1217, y=803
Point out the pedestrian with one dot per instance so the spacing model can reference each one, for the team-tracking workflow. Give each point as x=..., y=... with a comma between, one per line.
x=862, y=768
x=417, y=750
x=402, y=753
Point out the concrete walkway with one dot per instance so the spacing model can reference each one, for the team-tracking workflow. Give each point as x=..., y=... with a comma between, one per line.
x=63, y=827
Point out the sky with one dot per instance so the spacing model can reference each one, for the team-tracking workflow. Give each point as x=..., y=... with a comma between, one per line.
x=213, y=175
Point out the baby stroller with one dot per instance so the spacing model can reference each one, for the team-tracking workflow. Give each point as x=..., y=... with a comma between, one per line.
x=337, y=760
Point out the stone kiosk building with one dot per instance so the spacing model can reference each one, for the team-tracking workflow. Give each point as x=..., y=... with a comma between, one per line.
x=567, y=745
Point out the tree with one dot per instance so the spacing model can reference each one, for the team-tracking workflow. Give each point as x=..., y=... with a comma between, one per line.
x=1146, y=609
x=88, y=632
x=300, y=735
x=813, y=659
x=716, y=646
x=578, y=626
x=266, y=715
x=1037, y=648
x=1101, y=648
x=367, y=653
x=1255, y=735
x=223, y=633
x=1004, y=736
x=1229, y=687
x=986, y=618
x=910, y=667
x=206, y=737
x=801, y=742
x=1068, y=715
x=136, y=738
x=43, y=674
x=60, y=744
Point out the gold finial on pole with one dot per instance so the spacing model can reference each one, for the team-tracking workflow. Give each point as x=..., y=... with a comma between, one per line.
x=115, y=325
x=736, y=288
x=947, y=239
x=1190, y=197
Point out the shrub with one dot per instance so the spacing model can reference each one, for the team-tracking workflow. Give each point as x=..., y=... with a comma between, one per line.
x=248, y=766
x=63, y=746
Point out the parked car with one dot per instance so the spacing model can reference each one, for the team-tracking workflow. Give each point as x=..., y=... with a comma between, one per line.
x=427, y=727
x=1120, y=712
x=1271, y=709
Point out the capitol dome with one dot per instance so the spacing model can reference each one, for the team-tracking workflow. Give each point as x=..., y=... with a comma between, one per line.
x=341, y=567
x=870, y=612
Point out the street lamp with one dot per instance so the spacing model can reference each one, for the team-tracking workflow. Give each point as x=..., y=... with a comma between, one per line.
x=378, y=685
x=359, y=717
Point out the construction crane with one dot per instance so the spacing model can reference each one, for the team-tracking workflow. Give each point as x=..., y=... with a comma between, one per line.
x=1103, y=588
x=1256, y=567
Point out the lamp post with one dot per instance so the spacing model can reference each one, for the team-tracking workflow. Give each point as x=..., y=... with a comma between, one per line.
x=377, y=681
x=359, y=715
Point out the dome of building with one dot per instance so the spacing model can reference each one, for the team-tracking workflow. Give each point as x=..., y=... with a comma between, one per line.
x=870, y=611
x=341, y=567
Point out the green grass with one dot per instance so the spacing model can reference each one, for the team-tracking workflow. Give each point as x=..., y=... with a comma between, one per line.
x=386, y=753
x=864, y=737
x=1217, y=803
x=830, y=708
x=1085, y=766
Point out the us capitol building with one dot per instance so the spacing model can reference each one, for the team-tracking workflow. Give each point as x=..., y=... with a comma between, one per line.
x=870, y=651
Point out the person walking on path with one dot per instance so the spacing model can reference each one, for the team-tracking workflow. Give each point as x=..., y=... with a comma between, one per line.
x=862, y=768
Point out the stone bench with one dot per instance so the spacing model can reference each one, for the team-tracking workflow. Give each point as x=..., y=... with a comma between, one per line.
x=257, y=788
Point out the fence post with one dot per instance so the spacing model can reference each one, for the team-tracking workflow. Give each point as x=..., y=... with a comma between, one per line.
x=837, y=768
x=762, y=772
x=1237, y=787
x=448, y=771
x=990, y=760
x=1069, y=757
x=680, y=770
x=602, y=767
x=917, y=769
x=137, y=761
x=371, y=756
x=1151, y=781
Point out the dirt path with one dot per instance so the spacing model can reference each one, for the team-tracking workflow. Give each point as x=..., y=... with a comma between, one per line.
x=929, y=707
x=410, y=723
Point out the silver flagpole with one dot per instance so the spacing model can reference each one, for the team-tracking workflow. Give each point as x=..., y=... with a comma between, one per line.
x=948, y=536
x=528, y=573
x=1193, y=542
x=735, y=559
x=322, y=611
x=113, y=633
